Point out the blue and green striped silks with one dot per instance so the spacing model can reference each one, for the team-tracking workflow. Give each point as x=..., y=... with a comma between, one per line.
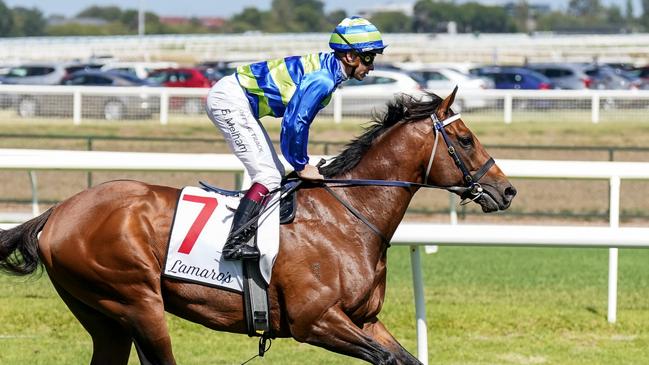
x=294, y=88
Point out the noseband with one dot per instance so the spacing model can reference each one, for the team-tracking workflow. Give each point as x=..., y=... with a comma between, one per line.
x=471, y=184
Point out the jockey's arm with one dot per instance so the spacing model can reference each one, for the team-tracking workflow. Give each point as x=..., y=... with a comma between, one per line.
x=300, y=112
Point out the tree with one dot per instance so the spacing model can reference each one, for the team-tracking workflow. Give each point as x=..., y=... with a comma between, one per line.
x=334, y=18
x=297, y=16
x=522, y=16
x=392, y=22
x=28, y=22
x=250, y=18
x=108, y=13
x=6, y=20
x=629, y=10
x=475, y=17
x=644, y=18
x=433, y=16
x=584, y=8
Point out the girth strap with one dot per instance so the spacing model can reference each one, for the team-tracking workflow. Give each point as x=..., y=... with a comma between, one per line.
x=358, y=215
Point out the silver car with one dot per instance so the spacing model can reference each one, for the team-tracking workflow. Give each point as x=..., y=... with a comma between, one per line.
x=38, y=73
x=564, y=75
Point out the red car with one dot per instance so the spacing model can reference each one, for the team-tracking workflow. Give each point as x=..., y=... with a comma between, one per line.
x=180, y=77
x=183, y=77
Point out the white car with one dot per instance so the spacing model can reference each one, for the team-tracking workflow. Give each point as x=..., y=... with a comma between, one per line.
x=141, y=70
x=362, y=98
x=442, y=80
x=386, y=82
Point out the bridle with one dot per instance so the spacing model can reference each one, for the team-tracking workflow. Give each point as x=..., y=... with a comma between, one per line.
x=471, y=182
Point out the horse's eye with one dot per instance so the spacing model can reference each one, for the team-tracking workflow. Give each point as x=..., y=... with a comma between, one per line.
x=465, y=141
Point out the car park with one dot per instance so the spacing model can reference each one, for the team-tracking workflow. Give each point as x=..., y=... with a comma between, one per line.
x=108, y=106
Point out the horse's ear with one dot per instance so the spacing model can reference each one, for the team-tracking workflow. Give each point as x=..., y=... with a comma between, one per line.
x=446, y=104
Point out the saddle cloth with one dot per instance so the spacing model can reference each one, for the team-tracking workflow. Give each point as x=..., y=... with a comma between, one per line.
x=200, y=227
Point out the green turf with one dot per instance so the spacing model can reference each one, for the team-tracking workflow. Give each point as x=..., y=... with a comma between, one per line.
x=484, y=306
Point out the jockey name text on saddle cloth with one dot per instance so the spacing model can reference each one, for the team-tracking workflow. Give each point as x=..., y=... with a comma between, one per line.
x=201, y=225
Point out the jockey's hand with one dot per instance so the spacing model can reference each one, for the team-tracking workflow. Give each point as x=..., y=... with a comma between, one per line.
x=310, y=172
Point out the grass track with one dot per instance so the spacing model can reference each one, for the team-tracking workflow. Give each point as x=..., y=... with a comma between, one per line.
x=485, y=306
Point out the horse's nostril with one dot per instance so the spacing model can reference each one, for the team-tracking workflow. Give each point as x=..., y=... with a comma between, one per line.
x=510, y=192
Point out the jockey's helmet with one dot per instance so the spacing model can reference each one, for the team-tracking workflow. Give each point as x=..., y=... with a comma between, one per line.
x=356, y=34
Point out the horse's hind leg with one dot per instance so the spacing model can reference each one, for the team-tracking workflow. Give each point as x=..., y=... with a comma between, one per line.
x=150, y=332
x=111, y=343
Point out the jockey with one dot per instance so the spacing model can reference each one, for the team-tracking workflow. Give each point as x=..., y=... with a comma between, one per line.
x=294, y=88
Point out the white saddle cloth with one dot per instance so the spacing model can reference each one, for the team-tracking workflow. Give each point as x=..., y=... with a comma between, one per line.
x=201, y=225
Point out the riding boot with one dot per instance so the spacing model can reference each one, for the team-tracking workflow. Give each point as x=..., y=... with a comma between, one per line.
x=236, y=246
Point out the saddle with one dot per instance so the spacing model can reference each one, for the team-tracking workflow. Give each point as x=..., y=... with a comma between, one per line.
x=288, y=203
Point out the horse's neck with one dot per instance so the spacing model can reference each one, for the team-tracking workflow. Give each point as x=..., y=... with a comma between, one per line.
x=394, y=156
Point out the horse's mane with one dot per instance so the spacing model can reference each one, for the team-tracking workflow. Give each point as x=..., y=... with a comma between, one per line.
x=403, y=108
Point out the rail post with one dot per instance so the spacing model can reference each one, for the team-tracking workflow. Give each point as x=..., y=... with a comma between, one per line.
x=614, y=214
x=76, y=107
x=420, y=305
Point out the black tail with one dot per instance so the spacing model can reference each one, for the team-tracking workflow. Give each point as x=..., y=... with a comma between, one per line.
x=19, y=246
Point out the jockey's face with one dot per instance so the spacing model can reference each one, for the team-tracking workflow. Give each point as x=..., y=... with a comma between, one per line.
x=359, y=65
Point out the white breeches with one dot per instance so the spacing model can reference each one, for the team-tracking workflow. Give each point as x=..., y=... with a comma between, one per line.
x=229, y=110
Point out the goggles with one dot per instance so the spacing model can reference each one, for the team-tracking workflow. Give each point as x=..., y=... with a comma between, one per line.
x=367, y=58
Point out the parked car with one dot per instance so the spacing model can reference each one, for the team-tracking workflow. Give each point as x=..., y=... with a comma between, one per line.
x=370, y=94
x=640, y=77
x=179, y=77
x=607, y=78
x=564, y=75
x=183, y=77
x=140, y=70
x=110, y=107
x=39, y=73
x=514, y=78
x=384, y=81
x=442, y=80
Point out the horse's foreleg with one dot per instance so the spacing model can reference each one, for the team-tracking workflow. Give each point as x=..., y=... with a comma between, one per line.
x=336, y=332
x=377, y=330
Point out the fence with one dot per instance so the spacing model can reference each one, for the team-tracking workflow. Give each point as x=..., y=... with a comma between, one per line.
x=78, y=103
x=407, y=234
x=436, y=207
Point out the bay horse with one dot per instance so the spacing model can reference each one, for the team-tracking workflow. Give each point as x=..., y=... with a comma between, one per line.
x=104, y=247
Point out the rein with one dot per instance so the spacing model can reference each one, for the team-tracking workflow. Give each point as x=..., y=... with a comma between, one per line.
x=471, y=182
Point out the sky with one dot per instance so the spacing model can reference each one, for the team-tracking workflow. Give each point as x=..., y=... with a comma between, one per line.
x=227, y=8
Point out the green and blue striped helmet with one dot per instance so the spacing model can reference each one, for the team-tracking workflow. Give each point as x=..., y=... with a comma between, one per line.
x=361, y=35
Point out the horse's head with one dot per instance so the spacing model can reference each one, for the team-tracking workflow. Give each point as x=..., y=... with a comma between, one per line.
x=461, y=162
